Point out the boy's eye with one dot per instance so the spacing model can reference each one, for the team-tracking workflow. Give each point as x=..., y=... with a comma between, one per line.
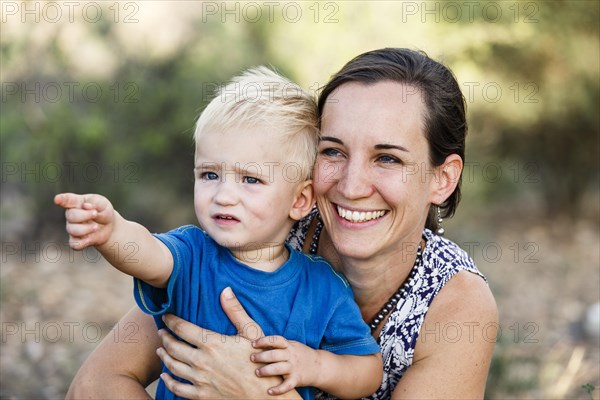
x=249, y=179
x=329, y=151
x=209, y=176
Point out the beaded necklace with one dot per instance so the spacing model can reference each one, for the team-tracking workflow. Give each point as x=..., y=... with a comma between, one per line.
x=398, y=294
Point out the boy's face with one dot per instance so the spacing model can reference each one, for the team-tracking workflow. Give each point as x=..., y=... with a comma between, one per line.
x=245, y=188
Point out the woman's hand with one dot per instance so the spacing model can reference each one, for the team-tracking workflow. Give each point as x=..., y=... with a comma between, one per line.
x=219, y=366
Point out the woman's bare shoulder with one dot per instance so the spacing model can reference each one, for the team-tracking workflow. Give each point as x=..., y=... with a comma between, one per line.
x=465, y=298
x=455, y=344
x=464, y=311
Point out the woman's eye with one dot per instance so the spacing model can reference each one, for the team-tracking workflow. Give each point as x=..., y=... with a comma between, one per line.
x=387, y=159
x=249, y=179
x=209, y=176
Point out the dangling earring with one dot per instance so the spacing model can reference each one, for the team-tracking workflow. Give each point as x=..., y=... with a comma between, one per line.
x=439, y=231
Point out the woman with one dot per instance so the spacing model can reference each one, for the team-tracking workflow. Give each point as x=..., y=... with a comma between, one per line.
x=390, y=161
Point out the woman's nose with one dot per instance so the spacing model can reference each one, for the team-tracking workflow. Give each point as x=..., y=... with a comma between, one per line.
x=355, y=180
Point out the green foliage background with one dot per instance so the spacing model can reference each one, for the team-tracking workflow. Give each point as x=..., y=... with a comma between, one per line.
x=140, y=73
x=529, y=71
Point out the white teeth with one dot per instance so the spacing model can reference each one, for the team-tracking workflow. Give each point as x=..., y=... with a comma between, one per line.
x=356, y=216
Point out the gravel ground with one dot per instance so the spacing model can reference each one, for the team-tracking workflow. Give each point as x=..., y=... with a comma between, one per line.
x=58, y=304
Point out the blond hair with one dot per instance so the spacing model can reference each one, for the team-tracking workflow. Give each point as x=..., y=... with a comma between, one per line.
x=261, y=97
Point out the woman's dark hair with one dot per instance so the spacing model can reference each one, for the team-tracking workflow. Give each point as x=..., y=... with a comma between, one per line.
x=445, y=118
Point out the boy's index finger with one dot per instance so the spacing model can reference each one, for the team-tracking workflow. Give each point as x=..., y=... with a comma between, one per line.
x=84, y=201
x=69, y=200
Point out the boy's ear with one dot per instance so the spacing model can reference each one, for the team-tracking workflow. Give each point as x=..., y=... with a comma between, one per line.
x=447, y=177
x=303, y=200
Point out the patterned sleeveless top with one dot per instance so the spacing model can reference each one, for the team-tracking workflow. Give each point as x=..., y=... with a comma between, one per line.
x=441, y=260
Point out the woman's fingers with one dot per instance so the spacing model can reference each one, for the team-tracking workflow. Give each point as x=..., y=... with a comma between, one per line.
x=178, y=368
x=270, y=342
x=180, y=389
x=220, y=364
x=189, y=332
x=179, y=350
x=182, y=328
x=245, y=325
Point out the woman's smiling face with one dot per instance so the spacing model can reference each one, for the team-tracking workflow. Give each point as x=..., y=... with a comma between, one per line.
x=373, y=178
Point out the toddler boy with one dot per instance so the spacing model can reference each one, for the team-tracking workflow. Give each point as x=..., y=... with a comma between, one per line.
x=255, y=147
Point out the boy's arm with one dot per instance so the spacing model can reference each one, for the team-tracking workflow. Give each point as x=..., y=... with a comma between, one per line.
x=128, y=246
x=349, y=376
x=343, y=376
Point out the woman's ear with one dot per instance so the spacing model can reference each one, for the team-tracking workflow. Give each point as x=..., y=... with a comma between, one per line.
x=446, y=178
x=303, y=200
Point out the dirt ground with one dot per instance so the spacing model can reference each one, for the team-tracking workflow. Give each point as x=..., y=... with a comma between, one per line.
x=56, y=306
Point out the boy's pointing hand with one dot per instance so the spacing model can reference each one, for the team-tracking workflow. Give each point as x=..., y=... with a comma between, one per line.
x=90, y=218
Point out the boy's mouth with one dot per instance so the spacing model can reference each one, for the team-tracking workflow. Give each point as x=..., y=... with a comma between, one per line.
x=225, y=217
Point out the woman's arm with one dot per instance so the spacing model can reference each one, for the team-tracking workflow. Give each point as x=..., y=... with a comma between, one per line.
x=455, y=345
x=126, y=360
x=123, y=364
x=219, y=366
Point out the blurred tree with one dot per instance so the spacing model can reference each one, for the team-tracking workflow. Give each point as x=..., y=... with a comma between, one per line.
x=133, y=142
x=127, y=135
x=550, y=74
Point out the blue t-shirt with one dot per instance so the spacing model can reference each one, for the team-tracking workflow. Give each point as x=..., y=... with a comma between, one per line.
x=304, y=300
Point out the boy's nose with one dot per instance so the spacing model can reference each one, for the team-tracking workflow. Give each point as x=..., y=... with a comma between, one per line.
x=227, y=192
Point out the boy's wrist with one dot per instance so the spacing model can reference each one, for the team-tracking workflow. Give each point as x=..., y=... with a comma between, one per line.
x=317, y=370
x=107, y=247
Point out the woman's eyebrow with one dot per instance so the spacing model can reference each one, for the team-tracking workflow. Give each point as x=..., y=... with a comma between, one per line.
x=384, y=146
x=390, y=146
